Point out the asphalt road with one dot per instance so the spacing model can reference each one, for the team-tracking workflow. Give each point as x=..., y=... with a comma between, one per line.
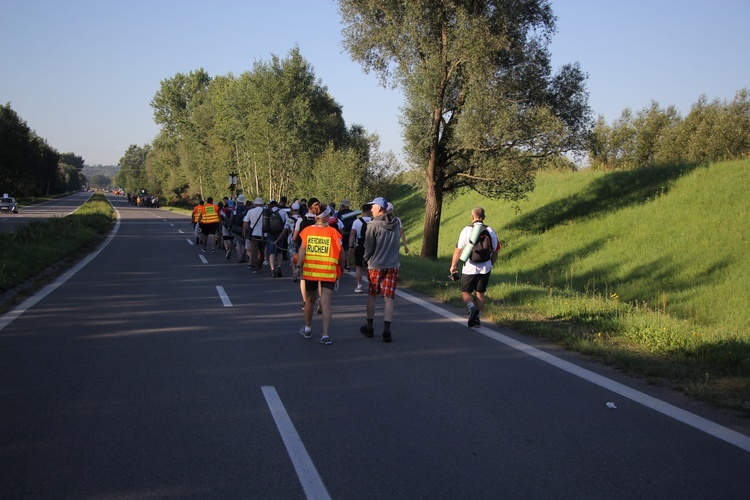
x=153, y=370
x=55, y=208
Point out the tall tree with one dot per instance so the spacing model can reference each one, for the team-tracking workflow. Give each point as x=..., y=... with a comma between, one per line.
x=70, y=172
x=179, y=108
x=132, y=173
x=293, y=120
x=483, y=106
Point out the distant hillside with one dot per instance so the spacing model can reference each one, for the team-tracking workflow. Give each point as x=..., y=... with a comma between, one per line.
x=671, y=238
x=107, y=170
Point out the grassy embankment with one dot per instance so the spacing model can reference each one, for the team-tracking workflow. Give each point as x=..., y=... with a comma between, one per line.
x=32, y=249
x=649, y=270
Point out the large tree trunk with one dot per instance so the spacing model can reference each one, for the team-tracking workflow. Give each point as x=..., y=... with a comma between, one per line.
x=434, y=208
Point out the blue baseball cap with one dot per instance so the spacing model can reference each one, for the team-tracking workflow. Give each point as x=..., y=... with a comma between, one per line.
x=379, y=201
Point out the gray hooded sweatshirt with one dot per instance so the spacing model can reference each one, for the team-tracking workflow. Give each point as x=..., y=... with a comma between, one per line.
x=382, y=241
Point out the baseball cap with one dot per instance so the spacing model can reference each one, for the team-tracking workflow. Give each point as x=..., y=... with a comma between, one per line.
x=345, y=203
x=380, y=201
x=295, y=206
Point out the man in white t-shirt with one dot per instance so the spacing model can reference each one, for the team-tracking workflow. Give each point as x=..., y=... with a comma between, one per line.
x=252, y=231
x=475, y=274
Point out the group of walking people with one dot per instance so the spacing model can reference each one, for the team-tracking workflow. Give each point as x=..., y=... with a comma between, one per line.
x=318, y=246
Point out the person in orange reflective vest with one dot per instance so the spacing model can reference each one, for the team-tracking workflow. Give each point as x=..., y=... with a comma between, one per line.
x=196, y=217
x=321, y=259
x=208, y=218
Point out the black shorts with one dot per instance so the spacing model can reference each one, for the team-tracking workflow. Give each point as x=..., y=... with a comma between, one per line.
x=209, y=228
x=359, y=256
x=312, y=285
x=472, y=282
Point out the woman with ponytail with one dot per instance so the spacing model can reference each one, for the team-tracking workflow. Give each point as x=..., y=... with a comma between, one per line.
x=321, y=259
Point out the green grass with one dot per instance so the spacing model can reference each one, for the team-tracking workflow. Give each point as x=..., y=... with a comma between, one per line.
x=34, y=247
x=648, y=270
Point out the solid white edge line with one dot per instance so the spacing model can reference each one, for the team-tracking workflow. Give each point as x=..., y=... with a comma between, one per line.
x=224, y=297
x=712, y=428
x=16, y=312
x=308, y=475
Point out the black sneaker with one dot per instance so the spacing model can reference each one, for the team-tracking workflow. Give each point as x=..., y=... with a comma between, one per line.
x=474, y=318
x=278, y=273
x=367, y=332
x=273, y=274
x=386, y=336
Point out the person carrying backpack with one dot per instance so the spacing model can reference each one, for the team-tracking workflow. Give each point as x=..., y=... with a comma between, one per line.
x=357, y=243
x=286, y=237
x=274, y=220
x=345, y=208
x=252, y=231
x=475, y=274
x=239, y=212
x=225, y=215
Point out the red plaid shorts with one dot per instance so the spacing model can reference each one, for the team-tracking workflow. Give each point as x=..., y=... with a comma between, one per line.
x=383, y=282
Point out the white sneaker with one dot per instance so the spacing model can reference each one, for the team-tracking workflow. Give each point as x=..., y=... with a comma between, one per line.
x=358, y=289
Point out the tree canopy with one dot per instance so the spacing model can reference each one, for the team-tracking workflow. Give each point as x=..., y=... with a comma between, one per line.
x=276, y=127
x=712, y=131
x=483, y=107
x=30, y=166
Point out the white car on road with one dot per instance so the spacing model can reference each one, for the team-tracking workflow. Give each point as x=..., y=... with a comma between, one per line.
x=8, y=203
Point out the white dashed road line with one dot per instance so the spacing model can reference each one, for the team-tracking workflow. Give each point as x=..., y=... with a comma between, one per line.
x=224, y=297
x=308, y=475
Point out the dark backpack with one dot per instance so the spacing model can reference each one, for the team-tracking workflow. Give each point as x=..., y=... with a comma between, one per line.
x=226, y=216
x=361, y=237
x=482, y=251
x=302, y=225
x=348, y=221
x=272, y=222
x=237, y=220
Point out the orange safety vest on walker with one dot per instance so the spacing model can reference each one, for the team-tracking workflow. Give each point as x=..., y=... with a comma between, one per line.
x=322, y=250
x=209, y=214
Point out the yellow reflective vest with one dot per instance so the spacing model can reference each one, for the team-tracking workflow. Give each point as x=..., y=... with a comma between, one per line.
x=209, y=214
x=322, y=246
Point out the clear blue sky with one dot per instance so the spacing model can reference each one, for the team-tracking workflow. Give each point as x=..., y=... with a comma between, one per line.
x=82, y=73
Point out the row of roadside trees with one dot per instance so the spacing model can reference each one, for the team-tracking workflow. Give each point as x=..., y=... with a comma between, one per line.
x=276, y=127
x=711, y=131
x=30, y=166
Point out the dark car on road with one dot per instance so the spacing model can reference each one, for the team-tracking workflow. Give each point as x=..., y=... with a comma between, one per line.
x=8, y=203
